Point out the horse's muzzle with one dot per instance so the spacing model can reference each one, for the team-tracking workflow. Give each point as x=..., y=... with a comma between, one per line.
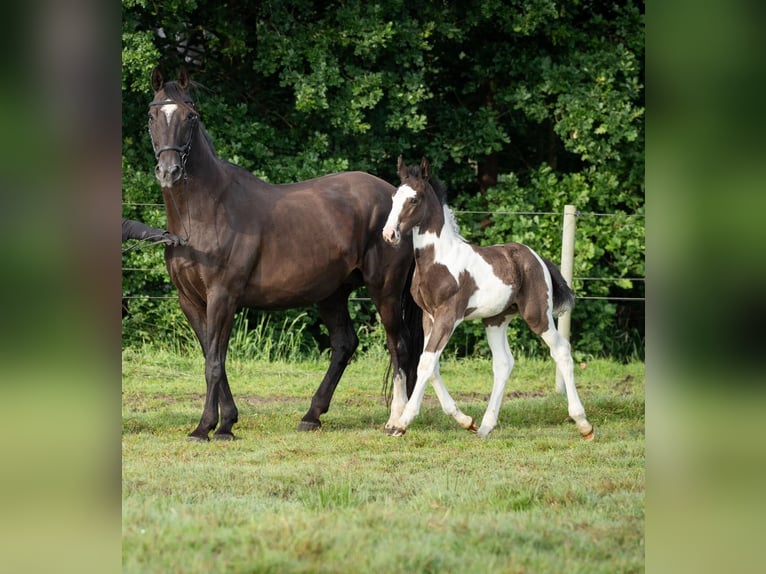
x=168, y=174
x=392, y=235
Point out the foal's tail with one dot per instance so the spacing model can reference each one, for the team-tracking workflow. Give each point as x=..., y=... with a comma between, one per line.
x=563, y=296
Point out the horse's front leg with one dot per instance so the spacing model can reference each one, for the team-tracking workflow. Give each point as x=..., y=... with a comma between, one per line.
x=212, y=324
x=502, y=365
x=448, y=404
x=196, y=314
x=399, y=401
x=437, y=331
x=220, y=319
x=397, y=337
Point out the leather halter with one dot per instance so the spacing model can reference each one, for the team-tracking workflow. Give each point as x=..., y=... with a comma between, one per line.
x=183, y=151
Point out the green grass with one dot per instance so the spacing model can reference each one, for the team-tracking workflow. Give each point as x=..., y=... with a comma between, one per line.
x=532, y=497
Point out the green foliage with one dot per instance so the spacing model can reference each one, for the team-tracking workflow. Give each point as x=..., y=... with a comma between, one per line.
x=522, y=105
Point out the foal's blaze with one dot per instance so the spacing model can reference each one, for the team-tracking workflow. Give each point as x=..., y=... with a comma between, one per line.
x=455, y=281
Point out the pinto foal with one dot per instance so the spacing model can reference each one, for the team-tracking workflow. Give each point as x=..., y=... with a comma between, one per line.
x=455, y=281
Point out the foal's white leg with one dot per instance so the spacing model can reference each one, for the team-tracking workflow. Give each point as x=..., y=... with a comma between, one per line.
x=560, y=386
x=398, y=399
x=448, y=404
x=561, y=353
x=502, y=365
x=426, y=365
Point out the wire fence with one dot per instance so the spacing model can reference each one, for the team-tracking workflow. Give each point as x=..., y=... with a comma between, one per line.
x=461, y=212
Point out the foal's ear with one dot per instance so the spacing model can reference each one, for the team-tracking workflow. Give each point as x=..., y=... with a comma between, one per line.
x=401, y=168
x=425, y=169
x=157, y=80
x=183, y=78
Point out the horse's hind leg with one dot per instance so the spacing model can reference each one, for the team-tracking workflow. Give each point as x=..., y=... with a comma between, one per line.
x=343, y=342
x=502, y=365
x=561, y=353
x=389, y=308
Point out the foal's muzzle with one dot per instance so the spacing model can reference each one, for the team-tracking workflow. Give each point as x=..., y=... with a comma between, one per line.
x=392, y=235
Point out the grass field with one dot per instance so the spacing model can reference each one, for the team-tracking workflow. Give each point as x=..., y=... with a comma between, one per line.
x=532, y=497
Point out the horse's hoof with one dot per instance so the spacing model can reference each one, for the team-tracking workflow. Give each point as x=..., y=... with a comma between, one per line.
x=472, y=427
x=589, y=436
x=306, y=426
x=197, y=438
x=223, y=436
x=394, y=431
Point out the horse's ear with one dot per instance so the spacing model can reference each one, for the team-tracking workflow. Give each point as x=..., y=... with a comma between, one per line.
x=425, y=169
x=401, y=168
x=157, y=80
x=183, y=78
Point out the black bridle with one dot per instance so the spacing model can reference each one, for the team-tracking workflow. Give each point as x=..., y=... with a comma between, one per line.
x=182, y=151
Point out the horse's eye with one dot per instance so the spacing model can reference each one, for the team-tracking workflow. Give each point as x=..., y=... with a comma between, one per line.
x=193, y=117
x=414, y=200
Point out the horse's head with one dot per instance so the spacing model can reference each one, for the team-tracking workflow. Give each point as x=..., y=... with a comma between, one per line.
x=408, y=206
x=173, y=121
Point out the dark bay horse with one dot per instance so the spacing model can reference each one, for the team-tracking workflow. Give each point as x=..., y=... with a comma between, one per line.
x=252, y=244
x=455, y=281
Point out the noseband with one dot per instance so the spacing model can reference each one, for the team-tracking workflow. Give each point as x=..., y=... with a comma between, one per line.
x=183, y=151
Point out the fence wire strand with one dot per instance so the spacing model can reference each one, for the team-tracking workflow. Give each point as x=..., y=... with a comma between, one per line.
x=464, y=212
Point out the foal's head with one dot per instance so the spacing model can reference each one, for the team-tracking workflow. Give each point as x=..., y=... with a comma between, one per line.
x=173, y=121
x=410, y=200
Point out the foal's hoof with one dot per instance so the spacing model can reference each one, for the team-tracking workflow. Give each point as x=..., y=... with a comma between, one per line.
x=589, y=435
x=223, y=436
x=306, y=426
x=394, y=431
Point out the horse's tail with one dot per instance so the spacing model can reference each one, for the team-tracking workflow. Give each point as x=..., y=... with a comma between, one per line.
x=410, y=341
x=563, y=296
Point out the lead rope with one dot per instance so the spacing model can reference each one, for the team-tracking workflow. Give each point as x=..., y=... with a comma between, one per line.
x=175, y=204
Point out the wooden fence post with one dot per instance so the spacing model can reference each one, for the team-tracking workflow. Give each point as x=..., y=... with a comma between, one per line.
x=567, y=270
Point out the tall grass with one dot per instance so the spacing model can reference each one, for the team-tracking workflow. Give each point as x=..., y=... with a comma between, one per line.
x=271, y=341
x=532, y=497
